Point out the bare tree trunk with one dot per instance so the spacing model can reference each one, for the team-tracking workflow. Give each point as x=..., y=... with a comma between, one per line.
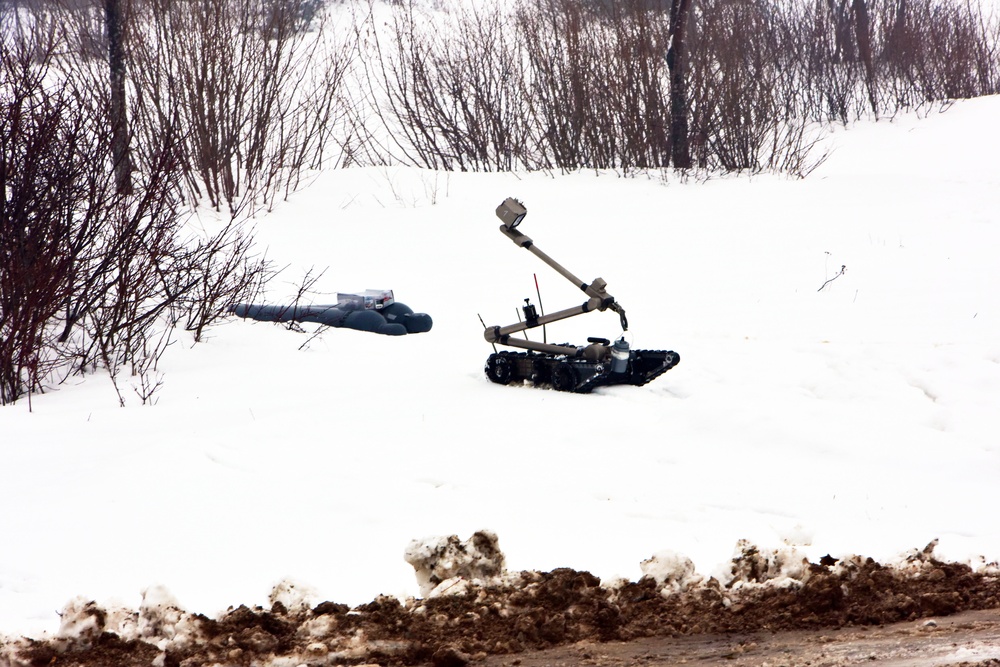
x=119, y=120
x=842, y=31
x=677, y=62
x=862, y=31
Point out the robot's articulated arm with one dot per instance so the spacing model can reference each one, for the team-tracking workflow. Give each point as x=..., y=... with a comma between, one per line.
x=511, y=212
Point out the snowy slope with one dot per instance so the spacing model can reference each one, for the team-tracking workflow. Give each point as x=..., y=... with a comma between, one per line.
x=856, y=418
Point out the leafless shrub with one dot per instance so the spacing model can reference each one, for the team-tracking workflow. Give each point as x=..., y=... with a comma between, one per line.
x=222, y=270
x=732, y=86
x=147, y=386
x=31, y=256
x=551, y=84
x=72, y=249
x=879, y=57
x=638, y=97
x=936, y=50
x=810, y=47
x=570, y=85
x=304, y=291
x=595, y=88
x=91, y=276
x=255, y=94
x=562, y=83
x=599, y=81
x=447, y=89
x=123, y=262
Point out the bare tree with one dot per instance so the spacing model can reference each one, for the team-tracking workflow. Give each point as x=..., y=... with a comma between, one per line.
x=115, y=23
x=677, y=61
x=862, y=32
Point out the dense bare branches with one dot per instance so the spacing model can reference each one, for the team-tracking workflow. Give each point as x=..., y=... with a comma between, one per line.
x=936, y=50
x=93, y=275
x=255, y=93
x=597, y=88
x=34, y=158
x=448, y=89
x=221, y=269
x=561, y=84
x=719, y=84
x=77, y=255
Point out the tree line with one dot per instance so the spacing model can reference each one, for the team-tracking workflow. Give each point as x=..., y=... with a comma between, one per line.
x=637, y=84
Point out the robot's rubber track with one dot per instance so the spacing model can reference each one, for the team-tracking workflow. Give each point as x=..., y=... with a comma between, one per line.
x=671, y=359
x=576, y=374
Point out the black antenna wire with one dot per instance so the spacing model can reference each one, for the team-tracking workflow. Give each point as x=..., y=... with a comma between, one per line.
x=541, y=309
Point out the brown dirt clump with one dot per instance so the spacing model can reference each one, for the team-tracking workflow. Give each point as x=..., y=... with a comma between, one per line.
x=107, y=650
x=536, y=611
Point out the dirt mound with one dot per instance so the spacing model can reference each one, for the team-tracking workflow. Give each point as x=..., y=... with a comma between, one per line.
x=528, y=611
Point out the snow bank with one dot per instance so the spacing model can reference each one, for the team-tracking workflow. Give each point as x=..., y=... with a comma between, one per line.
x=447, y=566
x=673, y=572
x=752, y=566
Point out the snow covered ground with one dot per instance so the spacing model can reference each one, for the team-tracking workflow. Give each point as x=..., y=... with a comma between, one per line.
x=856, y=417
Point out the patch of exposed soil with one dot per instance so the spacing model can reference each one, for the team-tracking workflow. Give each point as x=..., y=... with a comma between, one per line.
x=966, y=639
x=839, y=615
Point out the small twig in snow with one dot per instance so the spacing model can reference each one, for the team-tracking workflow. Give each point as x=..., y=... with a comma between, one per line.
x=313, y=337
x=843, y=268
